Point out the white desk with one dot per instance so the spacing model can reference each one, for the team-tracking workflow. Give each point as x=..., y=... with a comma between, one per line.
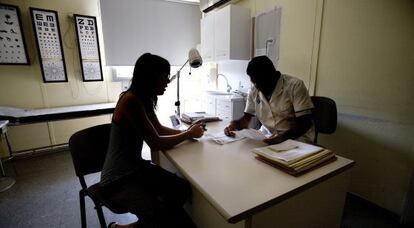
x=233, y=189
x=18, y=116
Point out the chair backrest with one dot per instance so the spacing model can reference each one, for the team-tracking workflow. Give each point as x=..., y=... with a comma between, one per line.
x=324, y=115
x=88, y=148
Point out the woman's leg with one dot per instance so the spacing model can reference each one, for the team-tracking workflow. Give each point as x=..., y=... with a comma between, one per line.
x=172, y=193
x=171, y=189
x=156, y=196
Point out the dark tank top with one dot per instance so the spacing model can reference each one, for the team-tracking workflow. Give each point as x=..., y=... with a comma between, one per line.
x=124, y=153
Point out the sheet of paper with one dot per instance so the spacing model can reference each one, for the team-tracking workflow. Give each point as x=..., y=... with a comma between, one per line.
x=251, y=134
x=260, y=51
x=220, y=138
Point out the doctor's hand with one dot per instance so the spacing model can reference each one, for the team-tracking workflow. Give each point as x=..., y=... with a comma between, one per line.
x=274, y=139
x=229, y=130
x=196, y=130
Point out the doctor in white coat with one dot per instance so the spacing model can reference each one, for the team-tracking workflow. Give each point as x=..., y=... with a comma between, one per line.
x=280, y=102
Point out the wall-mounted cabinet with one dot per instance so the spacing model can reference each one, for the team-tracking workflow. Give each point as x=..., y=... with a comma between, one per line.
x=207, y=38
x=225, y=34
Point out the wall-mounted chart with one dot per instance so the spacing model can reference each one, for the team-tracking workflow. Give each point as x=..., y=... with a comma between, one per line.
x=12, y=45
x=89, y=54
x=267, y=34
x=49, y=45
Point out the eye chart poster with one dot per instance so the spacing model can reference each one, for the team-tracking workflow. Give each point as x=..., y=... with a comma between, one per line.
x=49, y=45
x=88, y=44
x=12, y=44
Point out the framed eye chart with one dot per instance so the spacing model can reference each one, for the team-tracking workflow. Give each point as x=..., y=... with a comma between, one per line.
x=88, y=44
x=12, y=45
x=49, y=45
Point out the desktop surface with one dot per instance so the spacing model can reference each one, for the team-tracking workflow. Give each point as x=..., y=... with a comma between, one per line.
x=237, y=184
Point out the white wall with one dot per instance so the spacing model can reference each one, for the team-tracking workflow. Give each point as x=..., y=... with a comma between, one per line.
x=235, y=71
x=361, y=54
x=22, y=86
x=365, y=64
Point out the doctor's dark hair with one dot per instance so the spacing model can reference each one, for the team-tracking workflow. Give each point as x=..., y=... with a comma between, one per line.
x=261, y=67
x=148, y=70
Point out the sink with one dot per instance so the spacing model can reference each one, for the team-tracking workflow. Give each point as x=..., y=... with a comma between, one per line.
x=215, y=92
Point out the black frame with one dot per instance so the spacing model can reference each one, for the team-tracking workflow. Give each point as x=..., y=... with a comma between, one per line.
x=22, y=38
x=38, y=44
x=76, y=17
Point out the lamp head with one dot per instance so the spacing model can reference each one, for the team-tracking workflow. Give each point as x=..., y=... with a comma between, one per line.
x=194, y=58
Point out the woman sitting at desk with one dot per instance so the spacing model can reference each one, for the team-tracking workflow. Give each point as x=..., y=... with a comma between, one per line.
x=155, y=195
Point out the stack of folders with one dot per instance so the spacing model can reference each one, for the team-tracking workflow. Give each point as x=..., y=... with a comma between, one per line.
x=294, y=157
x=191, y=117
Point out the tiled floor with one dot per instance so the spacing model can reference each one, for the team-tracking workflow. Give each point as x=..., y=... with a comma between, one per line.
x=46, y=195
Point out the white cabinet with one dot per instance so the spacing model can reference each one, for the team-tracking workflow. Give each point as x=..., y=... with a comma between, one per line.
x=222, y=34
x=225, y=34
x=207, y=38
x=226, y=108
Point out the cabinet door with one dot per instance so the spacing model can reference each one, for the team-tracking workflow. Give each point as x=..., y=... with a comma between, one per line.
x=211, y=105
x=225, y=34
x=224, y=109
x=207, y=38
x=222, y=34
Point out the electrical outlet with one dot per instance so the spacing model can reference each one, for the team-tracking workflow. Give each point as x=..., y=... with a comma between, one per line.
x=124, y=85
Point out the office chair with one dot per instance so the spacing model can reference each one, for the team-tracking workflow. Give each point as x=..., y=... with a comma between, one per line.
x=88, y=148
x=324, y=116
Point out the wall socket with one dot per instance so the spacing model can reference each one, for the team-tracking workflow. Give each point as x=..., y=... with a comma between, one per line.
x=125, y=85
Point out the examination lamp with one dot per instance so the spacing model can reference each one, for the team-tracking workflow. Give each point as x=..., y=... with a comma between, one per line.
x=195, y=60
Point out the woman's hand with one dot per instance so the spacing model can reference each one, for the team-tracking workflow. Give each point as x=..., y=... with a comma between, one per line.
x=196, y=130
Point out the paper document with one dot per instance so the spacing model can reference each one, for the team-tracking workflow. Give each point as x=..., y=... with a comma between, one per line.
x=288, y=151
x=251, y=134
x=221, y=138
x=260, y=51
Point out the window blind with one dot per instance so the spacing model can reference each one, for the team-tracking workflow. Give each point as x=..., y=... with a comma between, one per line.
x=133, y=27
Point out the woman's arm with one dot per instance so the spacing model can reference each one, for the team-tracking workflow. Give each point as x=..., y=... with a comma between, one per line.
x=137, y=116
x=163, y=130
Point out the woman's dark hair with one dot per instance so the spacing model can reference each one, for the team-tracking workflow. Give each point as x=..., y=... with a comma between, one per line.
x=148, y=70
x=262, y=71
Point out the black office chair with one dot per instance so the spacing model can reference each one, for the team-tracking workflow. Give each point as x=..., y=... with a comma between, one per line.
x=324, y=116
x=88, y=148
